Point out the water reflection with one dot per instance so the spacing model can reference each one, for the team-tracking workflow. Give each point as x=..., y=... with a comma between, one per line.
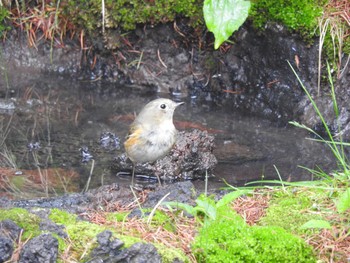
x=66, y=120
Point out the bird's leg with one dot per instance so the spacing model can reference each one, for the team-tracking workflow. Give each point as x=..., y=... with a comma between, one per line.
x=159, y=182
x=133, y=174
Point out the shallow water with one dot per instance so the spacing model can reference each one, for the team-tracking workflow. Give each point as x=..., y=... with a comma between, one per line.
x=47, y=120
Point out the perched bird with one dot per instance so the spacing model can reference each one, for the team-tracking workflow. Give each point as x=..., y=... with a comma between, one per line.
x=152, y=134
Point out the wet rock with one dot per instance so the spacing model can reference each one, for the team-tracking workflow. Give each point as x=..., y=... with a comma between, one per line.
x=40, y=249
x=228, y=151
x=190, y=158
x=6, y=248
x=9, y=234
x=138, y=253
x=19, y=55
x=78, y=203
x=71, y=202
x=9, y=229
x=107, y=248
x=183, y=192
x=102, y=196
x=109, y=251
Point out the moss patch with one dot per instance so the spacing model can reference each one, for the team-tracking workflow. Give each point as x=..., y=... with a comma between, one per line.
x=290, y=210
x=82, y=235
x=127, y=14
x=299, y=15
x=230, y=239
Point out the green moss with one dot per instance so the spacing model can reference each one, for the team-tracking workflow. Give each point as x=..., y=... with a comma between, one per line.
x=82, y=235
x=299, y=15
x=169, y=255
x=229, y=239
x=25, y=220
x=62, y=217
x=127, y=14
x=117, y=216
x=290, y=210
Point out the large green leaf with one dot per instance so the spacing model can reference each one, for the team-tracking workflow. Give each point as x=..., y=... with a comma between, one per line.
x=223, y=17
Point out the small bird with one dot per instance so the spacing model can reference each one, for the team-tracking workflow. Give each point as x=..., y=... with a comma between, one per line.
x=152, y=134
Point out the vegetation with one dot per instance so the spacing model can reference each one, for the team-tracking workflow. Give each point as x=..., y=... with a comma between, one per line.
x=126, y=15
x=61, y=16
x=230, y=239
x=223, y=17
x=297, y=15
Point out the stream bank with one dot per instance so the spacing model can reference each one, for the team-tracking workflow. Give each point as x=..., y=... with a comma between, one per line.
x=250, y=76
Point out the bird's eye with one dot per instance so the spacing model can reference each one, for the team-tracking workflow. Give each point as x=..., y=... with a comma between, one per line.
x=163, y=106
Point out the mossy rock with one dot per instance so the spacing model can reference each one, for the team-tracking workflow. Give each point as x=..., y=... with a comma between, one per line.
x=81, y=234
x=126, y=15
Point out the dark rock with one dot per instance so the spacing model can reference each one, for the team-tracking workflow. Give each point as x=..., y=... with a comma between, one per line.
x=9, y=229
x=6, y=248
x=40, y=249
x=69, y=202
x=230, y=152
x=107, y=247
x=183, y=192
x=190, y=158
x=137, y=253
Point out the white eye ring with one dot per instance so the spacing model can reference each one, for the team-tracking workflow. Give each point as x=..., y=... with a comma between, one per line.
x=162, y=106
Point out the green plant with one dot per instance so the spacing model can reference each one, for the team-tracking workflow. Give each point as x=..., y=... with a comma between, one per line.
x=206, y=206
x=337, y=147
x=223, y=17
x=341, y=177
x=4, y=15
x=230, y=239
x=299, y=15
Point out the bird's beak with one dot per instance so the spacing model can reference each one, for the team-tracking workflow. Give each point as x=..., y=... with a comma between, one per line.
x=179, y=103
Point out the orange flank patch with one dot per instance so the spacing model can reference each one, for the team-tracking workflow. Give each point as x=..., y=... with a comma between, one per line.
x=132, y=139
x=37, y=183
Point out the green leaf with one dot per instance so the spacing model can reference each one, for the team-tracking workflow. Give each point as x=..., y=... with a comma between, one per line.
x=223, y=17
x=344, y=201
x=316, y=224
x=188, y=208
x=207, y=208
x=230, y=197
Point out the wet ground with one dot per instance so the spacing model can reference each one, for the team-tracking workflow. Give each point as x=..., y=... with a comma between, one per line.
x=55, y=121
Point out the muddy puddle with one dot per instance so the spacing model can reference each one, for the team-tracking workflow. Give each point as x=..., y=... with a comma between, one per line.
x=50, y=123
